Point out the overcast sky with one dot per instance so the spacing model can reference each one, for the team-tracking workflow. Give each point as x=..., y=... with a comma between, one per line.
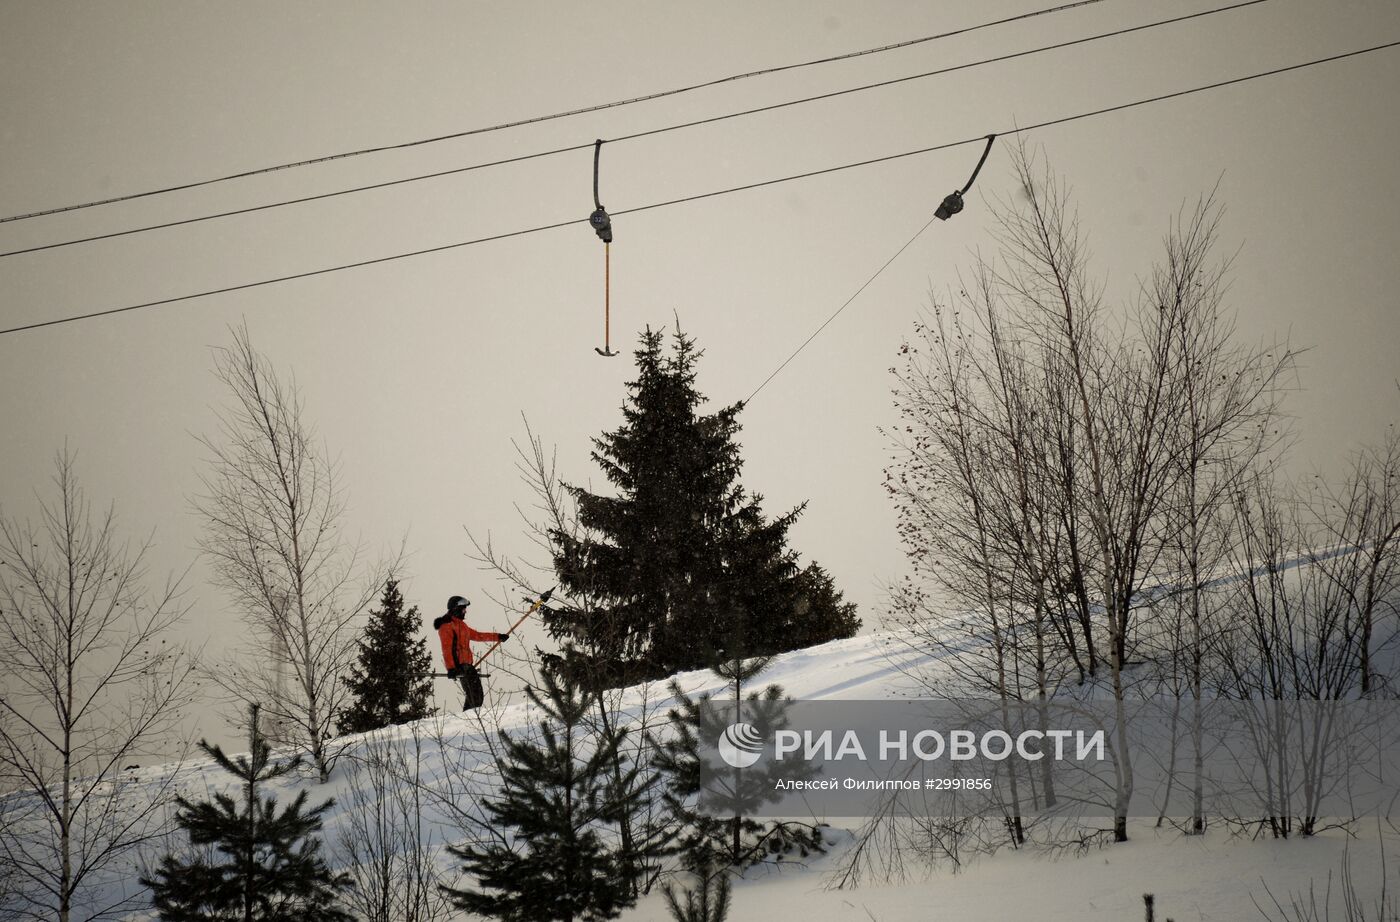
x=417, y=372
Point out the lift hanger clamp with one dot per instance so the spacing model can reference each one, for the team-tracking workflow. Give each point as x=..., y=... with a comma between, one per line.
x=953, y=202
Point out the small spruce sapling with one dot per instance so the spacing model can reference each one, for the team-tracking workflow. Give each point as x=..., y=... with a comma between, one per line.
x=735, y=839
x=391, y=679
x=251, y=862
x=707, y=901
x=546, y=858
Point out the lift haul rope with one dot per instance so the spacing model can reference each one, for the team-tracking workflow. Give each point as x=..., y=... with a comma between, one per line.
x=520, y=158
x=661, y=94
x=1061, y=120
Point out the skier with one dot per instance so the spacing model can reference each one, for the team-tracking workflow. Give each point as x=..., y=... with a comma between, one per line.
x=456, y=638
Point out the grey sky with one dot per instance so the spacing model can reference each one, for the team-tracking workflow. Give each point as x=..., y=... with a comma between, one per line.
x=417, y=372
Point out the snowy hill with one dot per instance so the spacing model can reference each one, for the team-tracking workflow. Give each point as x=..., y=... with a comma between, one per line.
x=1215, y=877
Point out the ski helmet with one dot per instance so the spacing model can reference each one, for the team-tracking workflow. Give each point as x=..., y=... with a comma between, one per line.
x=456, y=602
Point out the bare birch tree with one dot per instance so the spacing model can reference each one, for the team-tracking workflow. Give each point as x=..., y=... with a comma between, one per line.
x=272, y=510
x=1358, y=527
x=1041, y=451
x=387, y=843
x=1226, y=427
x=91, y=686
x=1291, y=654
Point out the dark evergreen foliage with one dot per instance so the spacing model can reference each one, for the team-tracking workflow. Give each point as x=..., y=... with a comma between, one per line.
x=706, y=839
x=550, y=855
x=707, y=901
x=391, y=681
x=818, y=613
x=250, y=861
x=681, y=553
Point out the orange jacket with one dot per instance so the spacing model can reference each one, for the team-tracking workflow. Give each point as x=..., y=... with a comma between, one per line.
x=456, y=638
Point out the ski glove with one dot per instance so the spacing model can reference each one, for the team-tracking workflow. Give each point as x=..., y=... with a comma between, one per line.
x=504, y=637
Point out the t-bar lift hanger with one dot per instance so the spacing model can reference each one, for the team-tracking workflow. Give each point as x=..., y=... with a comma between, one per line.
x=953, y=203
x=602, y=225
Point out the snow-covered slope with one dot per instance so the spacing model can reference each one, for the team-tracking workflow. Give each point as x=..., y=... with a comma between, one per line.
x=1212, y=877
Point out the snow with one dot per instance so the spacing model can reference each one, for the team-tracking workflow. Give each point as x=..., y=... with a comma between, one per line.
x=1213, y=877
x=1218, y=876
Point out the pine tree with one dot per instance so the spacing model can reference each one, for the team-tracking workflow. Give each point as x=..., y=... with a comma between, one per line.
x=250, y=862
x=391, y=680
x=547, y=859
x=665, y=563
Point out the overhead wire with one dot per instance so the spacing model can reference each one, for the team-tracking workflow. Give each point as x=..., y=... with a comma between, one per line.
x=847, y=303
x=979, y=139
x=642, y=134
x=556, y=115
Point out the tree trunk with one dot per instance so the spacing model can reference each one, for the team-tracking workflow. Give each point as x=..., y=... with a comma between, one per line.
x=625, y=820
x=1124, y=795
x=65, y=836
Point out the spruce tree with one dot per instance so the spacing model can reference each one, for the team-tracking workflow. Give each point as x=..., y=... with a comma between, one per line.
x=667, y=561
x=547, y=859
x=250, y=861
x=818, y=613
x=715, y=825
x=707, y=901
x=644, y=825
x=391, y=680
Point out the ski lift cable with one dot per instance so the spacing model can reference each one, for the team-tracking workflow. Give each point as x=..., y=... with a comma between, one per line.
x=953, y=203
x=943, y=213
x=634, y=135
x=1063, y=120
x=557, y=115
x=837, y=313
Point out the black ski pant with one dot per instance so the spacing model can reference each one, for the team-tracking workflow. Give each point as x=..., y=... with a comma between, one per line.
x=471, y=685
